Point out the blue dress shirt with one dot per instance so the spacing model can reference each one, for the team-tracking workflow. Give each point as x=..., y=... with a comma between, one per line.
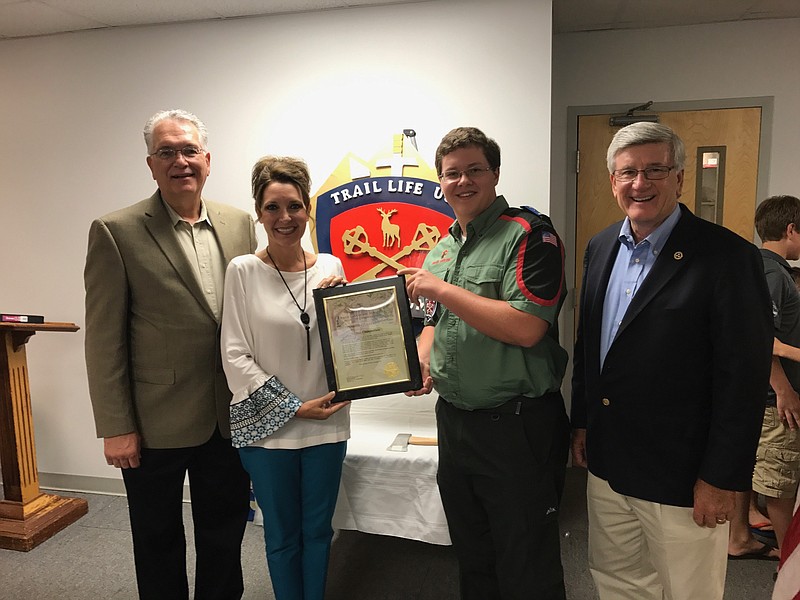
x=631, y=267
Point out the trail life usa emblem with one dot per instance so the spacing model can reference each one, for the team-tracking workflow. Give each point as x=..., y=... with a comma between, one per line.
x=381, y=215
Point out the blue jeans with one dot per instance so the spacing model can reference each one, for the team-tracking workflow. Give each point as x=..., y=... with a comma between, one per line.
x=297, y=491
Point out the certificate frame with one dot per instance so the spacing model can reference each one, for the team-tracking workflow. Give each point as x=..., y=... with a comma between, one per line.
x=367, y=336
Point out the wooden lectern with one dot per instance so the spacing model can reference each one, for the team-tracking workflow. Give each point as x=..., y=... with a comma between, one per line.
x=27, y=516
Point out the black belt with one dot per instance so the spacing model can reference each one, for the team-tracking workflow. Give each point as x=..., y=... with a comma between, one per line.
x=520, y=404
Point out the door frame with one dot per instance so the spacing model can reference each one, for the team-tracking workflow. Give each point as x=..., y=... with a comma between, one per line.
x=568, y=320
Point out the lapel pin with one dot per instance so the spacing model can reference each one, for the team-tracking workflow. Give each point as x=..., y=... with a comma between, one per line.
x=678, y=255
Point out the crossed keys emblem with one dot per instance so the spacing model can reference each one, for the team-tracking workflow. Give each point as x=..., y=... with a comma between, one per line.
x=356, y=242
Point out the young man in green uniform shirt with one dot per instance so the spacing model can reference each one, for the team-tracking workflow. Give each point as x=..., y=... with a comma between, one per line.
x=493, y=291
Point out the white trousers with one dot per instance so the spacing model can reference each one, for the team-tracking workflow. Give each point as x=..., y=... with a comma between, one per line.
x=641, y=550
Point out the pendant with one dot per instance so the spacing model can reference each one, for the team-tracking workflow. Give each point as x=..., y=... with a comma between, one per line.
x=304, y=319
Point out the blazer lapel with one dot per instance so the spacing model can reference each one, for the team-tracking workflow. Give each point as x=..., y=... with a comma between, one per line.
x=227, y=241
x=606, y=255
x=597, y=269
x=677, y=252
x=160, y=227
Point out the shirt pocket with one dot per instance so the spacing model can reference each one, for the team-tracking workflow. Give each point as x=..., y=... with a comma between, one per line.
x=484, y=279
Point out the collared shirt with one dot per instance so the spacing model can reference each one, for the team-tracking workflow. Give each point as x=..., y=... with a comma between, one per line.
x=200, y=245
x=631, y=267
x=785, y=313
x=509, y=254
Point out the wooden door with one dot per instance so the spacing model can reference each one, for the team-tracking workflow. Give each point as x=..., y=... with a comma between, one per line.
x=736, y=130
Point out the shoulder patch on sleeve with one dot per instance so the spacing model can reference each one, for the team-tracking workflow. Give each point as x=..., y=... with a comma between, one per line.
x=540, y=259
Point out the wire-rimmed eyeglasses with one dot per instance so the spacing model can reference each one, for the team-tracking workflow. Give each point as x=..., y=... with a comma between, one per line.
x=167, y=153
x=471, y=173
x=651, y=173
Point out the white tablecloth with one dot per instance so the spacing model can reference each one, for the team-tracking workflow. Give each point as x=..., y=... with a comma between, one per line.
x=385, y=492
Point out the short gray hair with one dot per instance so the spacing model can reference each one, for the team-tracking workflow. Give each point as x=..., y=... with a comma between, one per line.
x=641, y=133
x=174, y=115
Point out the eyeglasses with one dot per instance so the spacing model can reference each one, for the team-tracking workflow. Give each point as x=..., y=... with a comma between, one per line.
x=651, y=173
x=471, y=173
x=167, y=153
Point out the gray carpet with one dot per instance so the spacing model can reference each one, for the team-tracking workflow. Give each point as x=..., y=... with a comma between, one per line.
x=91, y=560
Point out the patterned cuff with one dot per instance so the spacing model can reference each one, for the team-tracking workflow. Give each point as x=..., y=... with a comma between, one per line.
x=262, y=413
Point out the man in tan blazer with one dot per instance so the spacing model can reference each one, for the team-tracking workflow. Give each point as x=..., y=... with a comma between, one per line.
x=154, y=286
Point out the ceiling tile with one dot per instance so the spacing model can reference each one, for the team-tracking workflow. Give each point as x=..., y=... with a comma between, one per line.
x=772, y=9
x=593, y=15
x=34, y=18
x=240, y=8
x=119, y=13
x=42, y=17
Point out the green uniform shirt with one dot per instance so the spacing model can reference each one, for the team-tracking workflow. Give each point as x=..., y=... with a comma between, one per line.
x=510, y=254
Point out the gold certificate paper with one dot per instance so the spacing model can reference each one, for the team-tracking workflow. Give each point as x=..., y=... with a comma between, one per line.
x=367, y=338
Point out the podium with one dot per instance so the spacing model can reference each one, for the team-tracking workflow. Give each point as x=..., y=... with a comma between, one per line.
x=27, y=516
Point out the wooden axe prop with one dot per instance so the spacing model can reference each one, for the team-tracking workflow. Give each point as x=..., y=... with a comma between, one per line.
x=402, y=441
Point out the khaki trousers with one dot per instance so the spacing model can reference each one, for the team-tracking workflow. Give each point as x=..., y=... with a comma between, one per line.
x=641, y=550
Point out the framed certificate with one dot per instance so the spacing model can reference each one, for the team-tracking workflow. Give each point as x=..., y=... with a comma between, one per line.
x=368, y=338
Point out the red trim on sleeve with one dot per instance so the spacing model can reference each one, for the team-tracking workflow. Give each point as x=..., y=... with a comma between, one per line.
x=521, y=260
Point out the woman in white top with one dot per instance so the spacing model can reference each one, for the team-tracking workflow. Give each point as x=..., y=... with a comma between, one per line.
x=273, y=358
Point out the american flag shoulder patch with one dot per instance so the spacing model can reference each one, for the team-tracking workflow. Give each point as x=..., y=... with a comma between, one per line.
x=549, y=238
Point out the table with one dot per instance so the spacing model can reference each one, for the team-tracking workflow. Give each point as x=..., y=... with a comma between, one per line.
x=385, y=492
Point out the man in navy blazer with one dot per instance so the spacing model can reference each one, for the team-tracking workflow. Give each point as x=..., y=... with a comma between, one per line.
x=671, y=366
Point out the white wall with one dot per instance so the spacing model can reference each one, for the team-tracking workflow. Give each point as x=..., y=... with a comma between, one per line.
x=317, y=85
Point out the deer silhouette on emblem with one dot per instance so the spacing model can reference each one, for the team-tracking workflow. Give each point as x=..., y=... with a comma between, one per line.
x=391, y=232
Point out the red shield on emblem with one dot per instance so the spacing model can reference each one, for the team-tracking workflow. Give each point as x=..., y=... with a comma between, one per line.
x=377, y=222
